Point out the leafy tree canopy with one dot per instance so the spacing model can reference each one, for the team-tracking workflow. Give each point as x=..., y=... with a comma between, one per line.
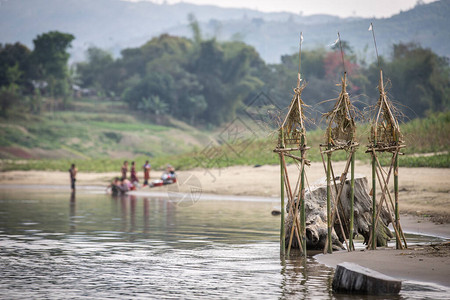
x=50, y=54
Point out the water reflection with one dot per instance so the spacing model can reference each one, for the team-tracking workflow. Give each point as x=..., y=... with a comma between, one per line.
x=146, y=214
x=132, y=247
x=73, y=211
x=126, y=209
x=304, y=278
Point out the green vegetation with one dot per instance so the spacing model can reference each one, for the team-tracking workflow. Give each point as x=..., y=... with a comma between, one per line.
x=91, y=133
x=147, y=102
x=203, y=82
x=423, y=136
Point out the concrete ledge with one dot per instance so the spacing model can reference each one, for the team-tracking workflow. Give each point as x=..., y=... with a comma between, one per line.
x=353, y=278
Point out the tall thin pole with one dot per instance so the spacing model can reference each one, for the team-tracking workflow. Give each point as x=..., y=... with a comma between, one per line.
x=330, y=242
x=302, y=198
x=397, y=216
x=299, y=60
x=342, y=52
x=282, y=231
x=374, y=202
x=352, y=200
x=375, y=43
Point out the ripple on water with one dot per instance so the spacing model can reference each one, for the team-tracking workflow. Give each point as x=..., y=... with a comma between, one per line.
x=147, y=248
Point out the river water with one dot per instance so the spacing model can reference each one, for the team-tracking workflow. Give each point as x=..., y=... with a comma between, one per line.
x=91, y=246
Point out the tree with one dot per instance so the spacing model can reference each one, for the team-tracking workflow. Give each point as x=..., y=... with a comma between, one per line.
x=50, y=54
x=8, y=97
x=12, y=55
x=195, y=106
x=420, y=79
x=227, y=72
x=49, y=58
x=195, y=27
x=98, y=71
x=154, y=84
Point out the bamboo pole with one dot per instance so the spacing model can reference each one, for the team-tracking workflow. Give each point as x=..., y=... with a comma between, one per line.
x=296, y=213
x=384, y=191
x=352, y=201
x=388, y=176
x=399, y=225
x=397, y=217
x=374, y=201
x=282, y=232
x=292, y=208
x=337, y=200
x=383, y=198
x=338, y=192
x=302, y=200
x=386, y=181
x=385, y=149
x=329, y=248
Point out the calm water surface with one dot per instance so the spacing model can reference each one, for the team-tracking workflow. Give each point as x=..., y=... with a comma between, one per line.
x=91, y=245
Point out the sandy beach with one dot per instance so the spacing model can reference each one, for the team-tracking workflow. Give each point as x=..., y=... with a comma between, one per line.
x=423, y=191
x=424, y=203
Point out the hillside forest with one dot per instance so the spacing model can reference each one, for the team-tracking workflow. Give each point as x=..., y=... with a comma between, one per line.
x=204, y=82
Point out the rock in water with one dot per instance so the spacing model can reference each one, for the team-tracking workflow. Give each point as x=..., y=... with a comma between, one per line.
x=316, y=215
x=276, y=211
x=353, y=278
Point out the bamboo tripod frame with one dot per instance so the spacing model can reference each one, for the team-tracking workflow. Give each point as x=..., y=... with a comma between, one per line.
x=292, y=133
x=335, y=206
x=385, y=137
x=341, y=137
x=298, y=228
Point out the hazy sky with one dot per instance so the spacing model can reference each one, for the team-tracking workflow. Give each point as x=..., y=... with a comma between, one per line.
x=342, y=8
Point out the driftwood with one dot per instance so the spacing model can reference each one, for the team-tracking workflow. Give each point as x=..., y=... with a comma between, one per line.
x=316, y=215
x=352, y=278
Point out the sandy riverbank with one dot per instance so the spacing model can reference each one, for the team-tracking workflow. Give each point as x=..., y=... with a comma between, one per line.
x=424, y=263
x=423, y=191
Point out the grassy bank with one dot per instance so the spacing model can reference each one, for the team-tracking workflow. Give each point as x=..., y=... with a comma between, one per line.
x=94, y=130
x=421, y=136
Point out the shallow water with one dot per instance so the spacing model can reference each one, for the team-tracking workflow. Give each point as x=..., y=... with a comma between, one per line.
x=92, y=245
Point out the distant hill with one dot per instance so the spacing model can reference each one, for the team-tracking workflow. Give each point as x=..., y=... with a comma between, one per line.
x=115, y=25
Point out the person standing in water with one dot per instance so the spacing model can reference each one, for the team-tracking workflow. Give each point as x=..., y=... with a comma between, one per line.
x=134, y=179
x=124, y=170
x=147, y=167
x=73, y=176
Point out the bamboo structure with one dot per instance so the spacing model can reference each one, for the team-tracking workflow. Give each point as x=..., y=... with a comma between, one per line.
x=385, y=137
x=292, y=138
x=282, y=232
x=341, y=135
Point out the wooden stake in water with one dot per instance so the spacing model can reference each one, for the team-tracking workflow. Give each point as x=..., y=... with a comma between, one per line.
x=330, y=242
x=352, y=200
x=397, y=217
x=282, y=232
x=374, y=201
x=302, y=199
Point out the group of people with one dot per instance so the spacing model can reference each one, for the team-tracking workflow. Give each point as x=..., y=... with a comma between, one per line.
x=123, y=184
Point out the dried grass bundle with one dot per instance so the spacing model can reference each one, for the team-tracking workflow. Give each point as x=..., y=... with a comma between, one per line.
x=385, y=131
x=293, y=127
x=341, y=124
